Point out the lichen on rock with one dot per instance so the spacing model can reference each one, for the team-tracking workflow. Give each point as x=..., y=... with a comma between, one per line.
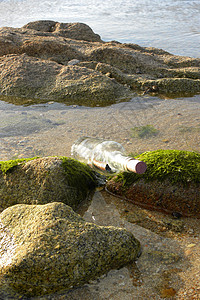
x=47, y=248
x=171, y=182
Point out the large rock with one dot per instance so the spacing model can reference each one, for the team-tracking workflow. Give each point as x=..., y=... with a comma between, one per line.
x=43, y=180
x=76, y=31
x=30, y=77
x=46, y=248
x=135, y=68
x=171, y=183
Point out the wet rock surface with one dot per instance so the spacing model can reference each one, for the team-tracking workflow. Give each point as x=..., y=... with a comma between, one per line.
x=44, y=180
x=104, y=71
x=47, y=248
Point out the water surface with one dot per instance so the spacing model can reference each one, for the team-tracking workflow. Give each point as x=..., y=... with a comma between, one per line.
x=173, y=25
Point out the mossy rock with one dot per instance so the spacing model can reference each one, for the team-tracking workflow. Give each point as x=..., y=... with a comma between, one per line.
x=171, y=182
x=47, y=248
x=44, y=180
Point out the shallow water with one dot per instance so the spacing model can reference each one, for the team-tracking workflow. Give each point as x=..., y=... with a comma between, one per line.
x=51, y=128
x=173, y=25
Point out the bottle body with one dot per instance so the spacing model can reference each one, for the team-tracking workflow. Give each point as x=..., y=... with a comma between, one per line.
x=108, y=156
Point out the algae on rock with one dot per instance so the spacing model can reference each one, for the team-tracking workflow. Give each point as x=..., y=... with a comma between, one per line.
x=43, y=180
x=178, y=166
x=171, y=182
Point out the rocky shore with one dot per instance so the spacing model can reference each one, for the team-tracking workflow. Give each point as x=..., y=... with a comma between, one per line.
x=58, y=238
x=68, y=62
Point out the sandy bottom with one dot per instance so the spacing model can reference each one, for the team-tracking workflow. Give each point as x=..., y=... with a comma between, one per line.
x=51, y=129
x=169, y=266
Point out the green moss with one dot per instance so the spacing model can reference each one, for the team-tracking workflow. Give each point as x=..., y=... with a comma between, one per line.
x=144, y=131
x=175, y=165
x=7, y=166
x=79, y=174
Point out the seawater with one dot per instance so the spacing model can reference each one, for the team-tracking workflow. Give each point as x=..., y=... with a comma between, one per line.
x=173, y=25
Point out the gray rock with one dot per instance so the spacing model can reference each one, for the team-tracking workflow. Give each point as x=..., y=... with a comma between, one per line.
x=46, y=248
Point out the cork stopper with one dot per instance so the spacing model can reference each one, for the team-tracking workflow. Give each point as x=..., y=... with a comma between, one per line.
x=136, y=166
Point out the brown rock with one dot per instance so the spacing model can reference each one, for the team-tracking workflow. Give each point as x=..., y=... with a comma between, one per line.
x=143, y=69
x=161, y=196
x=170, y=184
x=25, y=76
x=76, y=31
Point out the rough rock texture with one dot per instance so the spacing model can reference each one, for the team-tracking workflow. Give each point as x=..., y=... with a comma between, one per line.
x=30, y=77
x=118, y=69
x=171, y=183
x=44, y=180
x=75, y=31
x=161, y=196
x=46, y=248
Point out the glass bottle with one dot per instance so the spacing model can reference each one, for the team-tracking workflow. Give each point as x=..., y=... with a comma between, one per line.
x=107, y=156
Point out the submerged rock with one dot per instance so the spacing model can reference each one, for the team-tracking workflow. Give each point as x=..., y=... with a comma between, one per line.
x=44, y=180
x=46, y=248
x=105, y=71
x=171, y=183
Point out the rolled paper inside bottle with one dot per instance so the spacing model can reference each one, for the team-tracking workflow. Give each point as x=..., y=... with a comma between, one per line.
x=137, y=166
x=101, y=165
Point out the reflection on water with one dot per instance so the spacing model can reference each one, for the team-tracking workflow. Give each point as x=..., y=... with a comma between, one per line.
x=29, y=101
x=173, y=25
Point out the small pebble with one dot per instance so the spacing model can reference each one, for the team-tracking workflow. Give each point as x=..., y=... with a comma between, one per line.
x=176, y=215
x=188, y=252
x=168, y=293
x=191, y=245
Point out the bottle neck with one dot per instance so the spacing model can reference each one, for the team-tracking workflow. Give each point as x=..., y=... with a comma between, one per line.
x=117, y=161
x=124, y=163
